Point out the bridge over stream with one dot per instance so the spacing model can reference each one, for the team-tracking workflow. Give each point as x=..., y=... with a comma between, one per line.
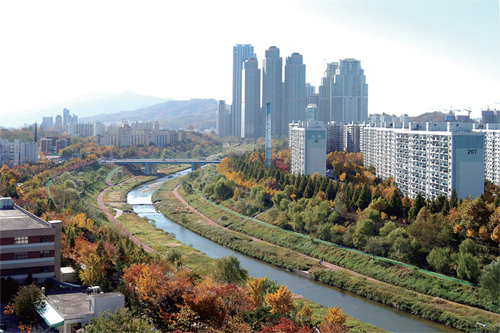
x=151, y=164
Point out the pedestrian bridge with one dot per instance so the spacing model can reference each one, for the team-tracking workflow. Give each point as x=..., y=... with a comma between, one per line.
x=151, y=165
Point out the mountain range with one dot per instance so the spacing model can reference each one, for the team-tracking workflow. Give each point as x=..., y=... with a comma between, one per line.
x=199, y=113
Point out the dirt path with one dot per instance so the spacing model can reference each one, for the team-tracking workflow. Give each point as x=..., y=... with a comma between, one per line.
x=181, y=199
x=114, y=220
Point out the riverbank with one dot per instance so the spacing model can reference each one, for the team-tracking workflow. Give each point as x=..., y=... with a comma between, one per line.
x=162, y=242
x=449, y=313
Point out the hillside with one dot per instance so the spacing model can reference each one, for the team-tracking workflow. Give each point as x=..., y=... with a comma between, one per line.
x=429, y=116
x=173, y=114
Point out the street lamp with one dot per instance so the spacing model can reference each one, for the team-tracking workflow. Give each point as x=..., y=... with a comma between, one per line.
x=481, y=324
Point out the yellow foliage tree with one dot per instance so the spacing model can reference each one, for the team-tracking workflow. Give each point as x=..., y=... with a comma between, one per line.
x=281, y=301
x=342, y=177
x=335, y=316
x=305, y=315
x=255, y=287
x=495, y=235
x=94, y=270
x=457, y=229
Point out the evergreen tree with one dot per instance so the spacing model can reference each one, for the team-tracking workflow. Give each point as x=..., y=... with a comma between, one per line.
x=376, y=194
x=309, y=190
x=454, y=199
x=446, y=207
x=395, y=205
x=355, y=196
x=302, y=186
x=418, y=203
x=330, y=192
x=365, y=197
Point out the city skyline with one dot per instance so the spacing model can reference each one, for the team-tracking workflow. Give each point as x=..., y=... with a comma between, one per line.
x=419, y=56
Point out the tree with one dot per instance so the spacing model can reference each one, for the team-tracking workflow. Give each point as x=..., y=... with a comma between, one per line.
x=490, y=281
x=228, y=270
x=364, y=198
x=120, y=321
x=395, y=205
x=334, y=320
x=439, y=259
x=454, y=199
x=25, y=303
x=255, y=287
x=468, y=267
x=418, y=203
x=281, y=301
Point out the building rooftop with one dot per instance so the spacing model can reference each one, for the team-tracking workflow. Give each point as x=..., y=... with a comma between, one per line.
x=74, y=304
x=17, y=219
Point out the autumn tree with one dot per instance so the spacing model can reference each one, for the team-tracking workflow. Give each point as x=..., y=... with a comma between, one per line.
x=281, y=301
x=255, y=287
x=334, y=320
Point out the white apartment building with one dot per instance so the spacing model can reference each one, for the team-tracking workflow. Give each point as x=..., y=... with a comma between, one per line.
x=308, y=144
x=432, y=158
x=18, y=152
x=491, y=150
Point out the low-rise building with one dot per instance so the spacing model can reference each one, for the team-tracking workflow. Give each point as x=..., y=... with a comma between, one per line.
x=28, y=244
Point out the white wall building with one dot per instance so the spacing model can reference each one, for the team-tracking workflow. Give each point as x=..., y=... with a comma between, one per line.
x=491, y=150
x=308, y=144
x=432, y=158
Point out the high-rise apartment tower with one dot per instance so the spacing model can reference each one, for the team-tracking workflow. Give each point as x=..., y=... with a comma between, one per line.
x=241, y=52
x=349, y=93
x=272, y=89
x=252, y=120
x=295, y=89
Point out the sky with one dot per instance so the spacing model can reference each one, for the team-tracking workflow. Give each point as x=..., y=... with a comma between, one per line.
x=418, y=55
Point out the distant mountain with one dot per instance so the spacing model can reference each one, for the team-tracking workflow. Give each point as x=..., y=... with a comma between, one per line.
x=429, y=116
x=90, y=105
x=174, y=114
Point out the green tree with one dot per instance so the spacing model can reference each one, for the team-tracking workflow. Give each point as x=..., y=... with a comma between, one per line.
x=228, y=270
x=468, y=267
x=120, y=321
x=454, y=199
x=387, y=228
x=25, y=303
x=490, y=281
x=364, y=198
x=395, y=205
x=364, y=229
x=418, y=203
x=439, y=259
x=223, y=189
x=468, y=246
x=277, y=199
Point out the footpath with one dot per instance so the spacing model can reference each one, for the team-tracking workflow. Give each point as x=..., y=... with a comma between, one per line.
x=113, y=220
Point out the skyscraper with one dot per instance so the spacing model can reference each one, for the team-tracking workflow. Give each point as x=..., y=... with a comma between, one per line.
x=295, y=89
x=65, y=116
x=349, y=93
x=252, y=120
x=272, y=89
x=324, y=91
x=241, y=52
x=222, y=119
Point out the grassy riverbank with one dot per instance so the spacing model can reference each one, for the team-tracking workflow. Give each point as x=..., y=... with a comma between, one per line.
x=163, y=243
x=425, y=306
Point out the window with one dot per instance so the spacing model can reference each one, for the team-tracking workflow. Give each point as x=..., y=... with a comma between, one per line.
x=20, y=271
x=20, y=255
x=21, y=240
x=44, y=254
x=44, y=269
x=44, y=239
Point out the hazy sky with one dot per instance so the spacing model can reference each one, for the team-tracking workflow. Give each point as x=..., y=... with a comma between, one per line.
x=418, y=55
